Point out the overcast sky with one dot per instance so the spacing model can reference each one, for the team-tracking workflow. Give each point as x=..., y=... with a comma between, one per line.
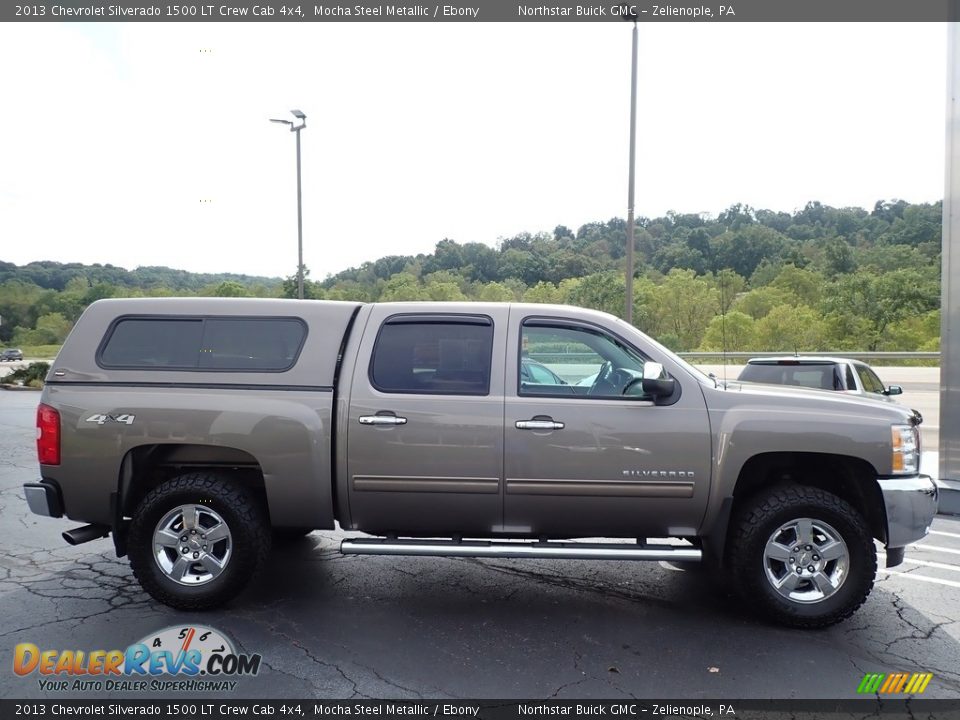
x=149, y=144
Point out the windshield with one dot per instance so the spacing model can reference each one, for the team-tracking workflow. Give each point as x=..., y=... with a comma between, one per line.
x=700, y=375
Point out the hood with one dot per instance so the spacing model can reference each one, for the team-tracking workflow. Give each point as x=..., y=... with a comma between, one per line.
x=827, y=401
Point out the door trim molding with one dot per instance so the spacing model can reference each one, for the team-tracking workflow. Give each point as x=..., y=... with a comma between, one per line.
x=601, y=488
x=425, y=483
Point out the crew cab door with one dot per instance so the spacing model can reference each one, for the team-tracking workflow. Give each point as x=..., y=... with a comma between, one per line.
x=425, y=423
x=584, y=459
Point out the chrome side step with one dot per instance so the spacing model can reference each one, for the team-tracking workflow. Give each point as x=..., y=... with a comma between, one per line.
x=533, y=549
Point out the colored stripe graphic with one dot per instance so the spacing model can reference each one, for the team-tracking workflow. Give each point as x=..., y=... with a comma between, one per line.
x=871, y=683
x=893, y=683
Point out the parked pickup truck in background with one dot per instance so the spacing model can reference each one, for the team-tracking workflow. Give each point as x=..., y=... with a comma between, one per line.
x=194, y=429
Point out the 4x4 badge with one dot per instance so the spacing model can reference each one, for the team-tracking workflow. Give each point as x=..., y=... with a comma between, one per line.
x=101, y=419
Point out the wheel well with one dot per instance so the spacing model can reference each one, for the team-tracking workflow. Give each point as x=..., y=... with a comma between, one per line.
x=849, y=478
x=146, y=466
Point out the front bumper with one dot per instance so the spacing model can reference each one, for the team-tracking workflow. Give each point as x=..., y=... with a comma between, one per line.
x=44, y=499
x=911, y=503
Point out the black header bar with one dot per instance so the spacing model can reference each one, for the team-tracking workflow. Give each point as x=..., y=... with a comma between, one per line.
x=203, y=707
x=852, y=11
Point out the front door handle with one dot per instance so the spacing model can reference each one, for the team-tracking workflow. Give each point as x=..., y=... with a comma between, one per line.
x=382, y=420
x=539, y=425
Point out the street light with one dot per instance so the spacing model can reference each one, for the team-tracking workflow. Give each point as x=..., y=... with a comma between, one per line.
x=298, y=114
x=628, y=310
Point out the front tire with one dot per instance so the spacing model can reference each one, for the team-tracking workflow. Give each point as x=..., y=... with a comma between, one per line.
x=195, y=541
x=803, y=556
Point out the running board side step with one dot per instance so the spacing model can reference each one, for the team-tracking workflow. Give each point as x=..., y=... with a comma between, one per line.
x=488, y=549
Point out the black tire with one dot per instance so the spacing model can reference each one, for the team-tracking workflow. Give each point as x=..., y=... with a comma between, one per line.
x=238, y=508
x=752, y=528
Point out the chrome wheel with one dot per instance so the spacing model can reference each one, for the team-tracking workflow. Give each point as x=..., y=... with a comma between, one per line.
x=806, y=560
x=192, y=544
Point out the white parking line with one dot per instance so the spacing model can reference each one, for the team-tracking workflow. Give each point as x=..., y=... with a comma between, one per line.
x=937, y=548
x=926, y=563
x=946, y=534
x=922, y=578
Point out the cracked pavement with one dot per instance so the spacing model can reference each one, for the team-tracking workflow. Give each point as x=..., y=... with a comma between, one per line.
x=331, y=626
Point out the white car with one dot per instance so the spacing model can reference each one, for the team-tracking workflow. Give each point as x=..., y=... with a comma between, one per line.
x=824, y=373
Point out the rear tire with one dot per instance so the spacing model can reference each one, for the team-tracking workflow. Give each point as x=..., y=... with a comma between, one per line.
x=803, y=556
x=196, y=541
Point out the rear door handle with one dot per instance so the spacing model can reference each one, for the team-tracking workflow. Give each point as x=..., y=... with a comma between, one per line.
x=382, y=420
x=539, y=425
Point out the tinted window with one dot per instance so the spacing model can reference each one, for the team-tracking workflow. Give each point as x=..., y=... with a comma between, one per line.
x=433, y=357
x=237, y=344
x=154, y=344
x=250, y=344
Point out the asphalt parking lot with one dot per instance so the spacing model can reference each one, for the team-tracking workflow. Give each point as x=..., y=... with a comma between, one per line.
x=330, y=626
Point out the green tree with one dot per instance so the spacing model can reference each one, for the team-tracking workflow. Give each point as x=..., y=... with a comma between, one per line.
x=403, y=286
x=760, y=301
x=543, y=292
x=601, y=291
x=443, y=291
x=735, y=332
x=805, y=286
x=683, y=307
x=231, y=288
x=311, y=290
x=790, y=328
x=729, y=285
x=495, y=292
x=871, y=303
x=51, y=329
x=744, y=248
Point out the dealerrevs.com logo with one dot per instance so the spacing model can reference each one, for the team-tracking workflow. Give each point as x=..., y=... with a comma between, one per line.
x=200, y=657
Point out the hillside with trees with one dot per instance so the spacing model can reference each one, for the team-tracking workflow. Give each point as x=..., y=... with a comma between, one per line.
x=821, y=278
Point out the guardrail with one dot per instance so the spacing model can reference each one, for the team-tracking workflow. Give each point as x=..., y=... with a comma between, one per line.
x=865, y=355
x=699, y=355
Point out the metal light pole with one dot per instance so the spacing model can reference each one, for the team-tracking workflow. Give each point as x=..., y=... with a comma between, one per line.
x=297, y=128
x=628, y=310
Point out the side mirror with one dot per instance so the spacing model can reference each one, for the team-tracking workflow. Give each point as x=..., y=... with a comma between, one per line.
x=655, y=383
x=893, y=390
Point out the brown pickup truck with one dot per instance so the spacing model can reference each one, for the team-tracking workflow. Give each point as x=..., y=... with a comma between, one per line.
x=197, y=430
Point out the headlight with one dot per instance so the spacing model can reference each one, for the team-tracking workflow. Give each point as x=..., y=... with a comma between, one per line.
x=905, y=447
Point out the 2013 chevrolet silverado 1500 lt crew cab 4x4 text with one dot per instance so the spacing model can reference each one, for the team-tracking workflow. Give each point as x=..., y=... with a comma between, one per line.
x=192, y=429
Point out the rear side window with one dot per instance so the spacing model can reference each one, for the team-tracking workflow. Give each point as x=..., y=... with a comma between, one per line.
x=153, y=344
x=224, y=344
x=444, y=356
x=251, y=344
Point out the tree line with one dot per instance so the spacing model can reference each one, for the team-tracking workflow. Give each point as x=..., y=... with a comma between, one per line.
x=821, y=278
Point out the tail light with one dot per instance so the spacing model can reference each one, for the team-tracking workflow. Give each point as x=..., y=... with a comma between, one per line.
x=48, y=435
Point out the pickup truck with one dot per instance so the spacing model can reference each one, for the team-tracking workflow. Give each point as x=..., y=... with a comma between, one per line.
x=196, y=431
